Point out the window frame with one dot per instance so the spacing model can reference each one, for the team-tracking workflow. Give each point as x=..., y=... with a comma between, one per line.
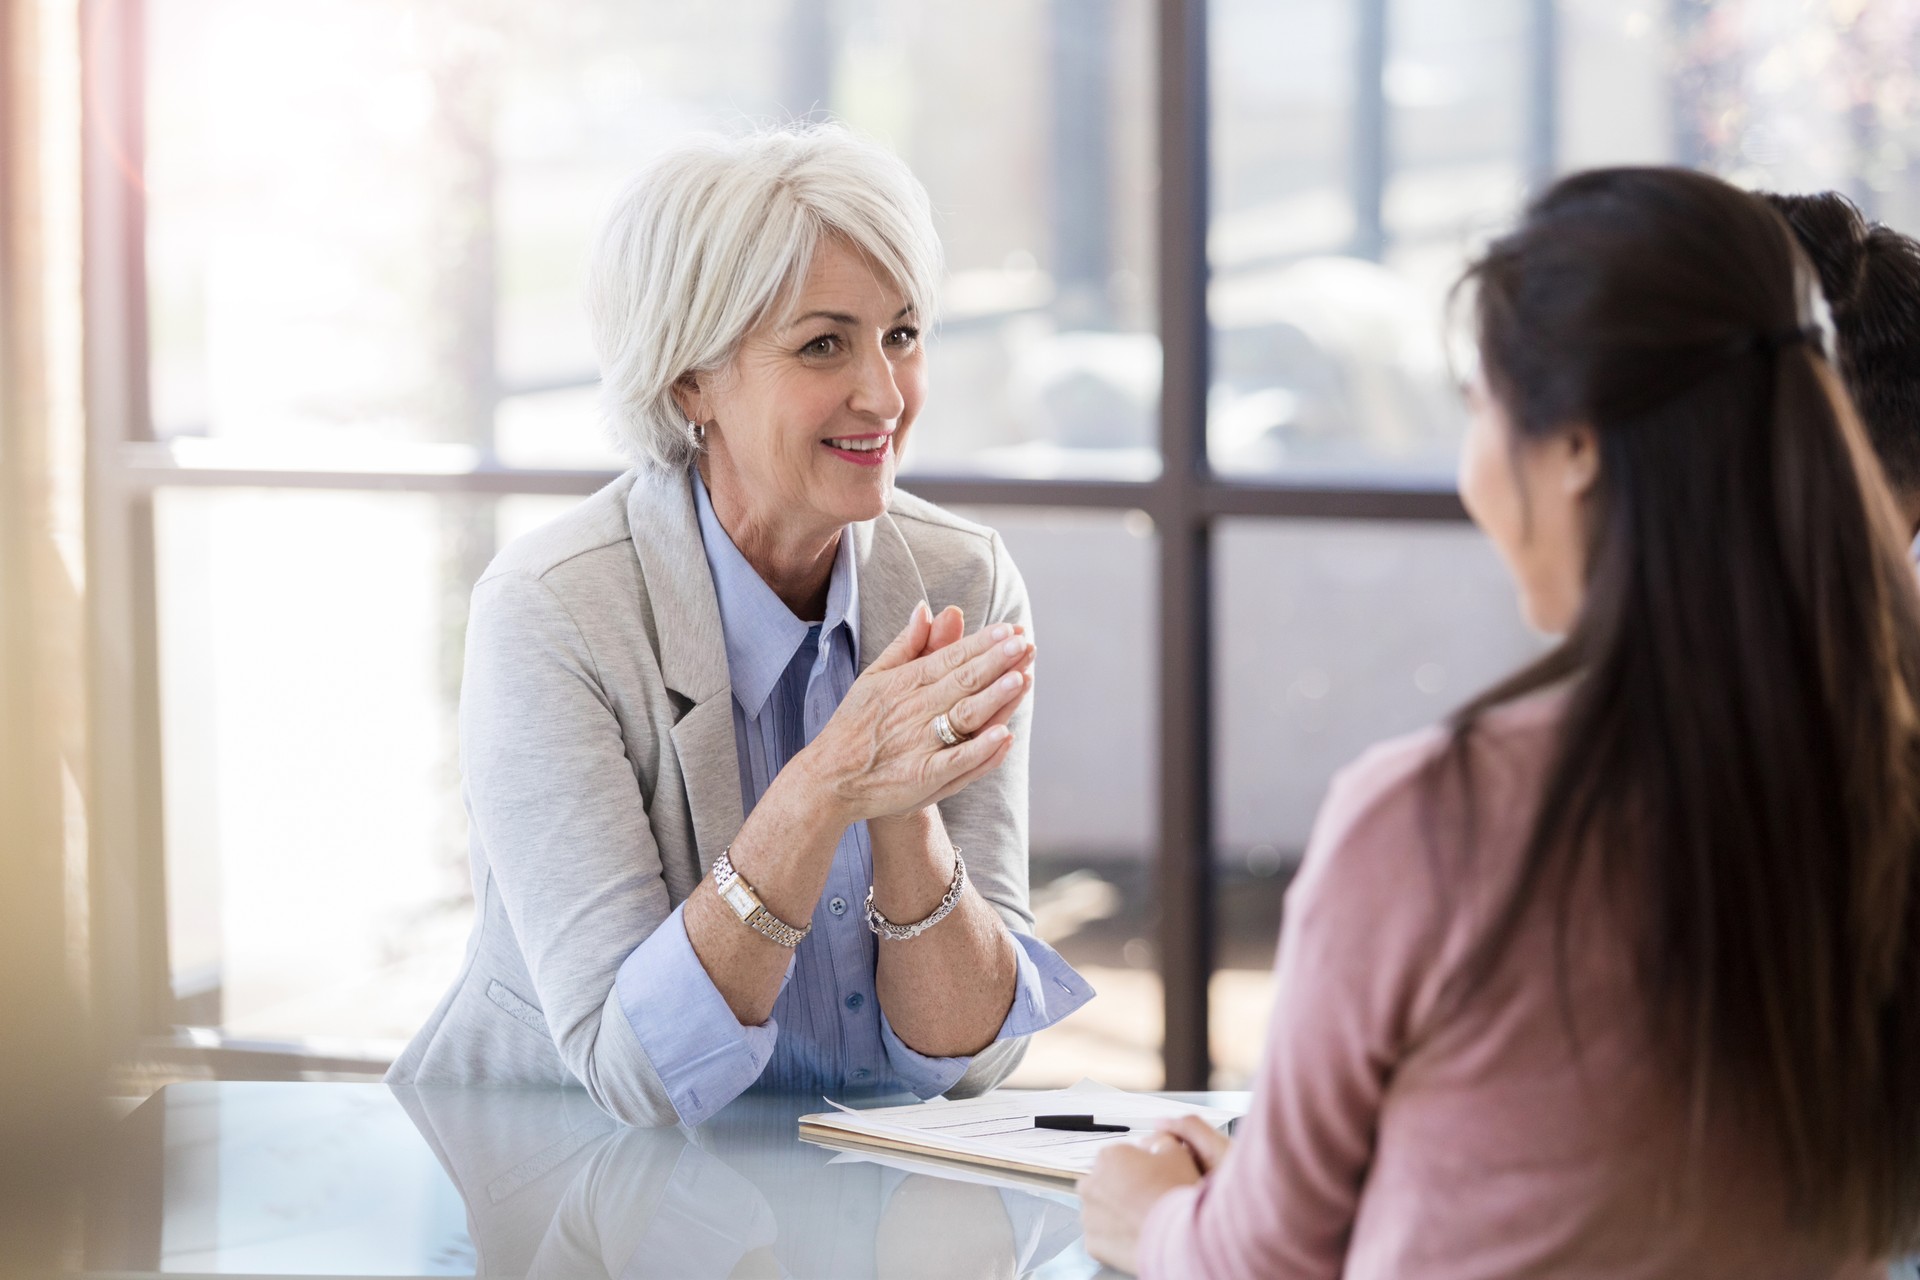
x=126, y=466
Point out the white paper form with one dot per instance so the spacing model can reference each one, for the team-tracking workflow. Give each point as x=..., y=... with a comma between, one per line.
x=998, y=1128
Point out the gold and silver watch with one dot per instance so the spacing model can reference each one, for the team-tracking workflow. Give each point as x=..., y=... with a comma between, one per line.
x=738, y=894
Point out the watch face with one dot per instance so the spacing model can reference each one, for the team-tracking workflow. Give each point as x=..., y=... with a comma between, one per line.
x=737, y=897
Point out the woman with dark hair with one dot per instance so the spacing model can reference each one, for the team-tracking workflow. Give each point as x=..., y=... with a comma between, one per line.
x=1619, y=974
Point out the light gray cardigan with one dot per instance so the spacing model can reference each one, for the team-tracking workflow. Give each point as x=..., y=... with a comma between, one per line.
x=602, y=780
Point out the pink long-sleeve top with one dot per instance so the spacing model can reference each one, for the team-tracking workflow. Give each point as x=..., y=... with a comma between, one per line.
x=1391, y=1140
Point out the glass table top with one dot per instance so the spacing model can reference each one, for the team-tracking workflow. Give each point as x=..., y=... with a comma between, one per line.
x=272, y=1179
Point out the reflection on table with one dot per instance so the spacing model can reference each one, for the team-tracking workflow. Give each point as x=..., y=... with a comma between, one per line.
x=359, y=1180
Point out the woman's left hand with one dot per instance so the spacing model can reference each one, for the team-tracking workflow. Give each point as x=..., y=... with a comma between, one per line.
x=1125, y=1182
x=947, y=627
x=1208, y=1145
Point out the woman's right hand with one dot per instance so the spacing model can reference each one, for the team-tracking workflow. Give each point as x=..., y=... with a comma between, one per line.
x=878, y=756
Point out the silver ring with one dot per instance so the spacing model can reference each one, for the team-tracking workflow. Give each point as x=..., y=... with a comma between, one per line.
x=944, y=730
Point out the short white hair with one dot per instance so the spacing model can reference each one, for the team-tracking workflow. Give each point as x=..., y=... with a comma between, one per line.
x=718, y=234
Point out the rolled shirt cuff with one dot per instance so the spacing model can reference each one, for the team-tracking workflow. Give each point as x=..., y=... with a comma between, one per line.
x=1045, y=990
x=704, y=1055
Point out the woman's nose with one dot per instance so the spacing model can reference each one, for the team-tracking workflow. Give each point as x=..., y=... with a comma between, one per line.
x=876, y=391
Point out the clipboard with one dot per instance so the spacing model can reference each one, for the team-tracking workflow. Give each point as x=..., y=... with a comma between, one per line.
x=995, y=1131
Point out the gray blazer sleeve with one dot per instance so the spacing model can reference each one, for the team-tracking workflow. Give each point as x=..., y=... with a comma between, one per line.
x=988, y=822
x=558, y=807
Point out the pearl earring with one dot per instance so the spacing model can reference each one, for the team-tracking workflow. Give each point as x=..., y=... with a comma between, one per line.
x=697, y=433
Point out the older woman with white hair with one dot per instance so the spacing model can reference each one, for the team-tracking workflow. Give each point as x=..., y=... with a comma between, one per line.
x=744, y=734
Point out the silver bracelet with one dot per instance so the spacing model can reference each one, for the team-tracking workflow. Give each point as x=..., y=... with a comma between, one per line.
x=902, y=932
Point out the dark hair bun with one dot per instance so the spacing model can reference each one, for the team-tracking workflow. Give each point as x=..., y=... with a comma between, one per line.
x=1871, y=276
x=1835, y=235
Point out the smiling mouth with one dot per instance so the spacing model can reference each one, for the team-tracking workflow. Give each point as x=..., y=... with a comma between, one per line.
x=867, y=451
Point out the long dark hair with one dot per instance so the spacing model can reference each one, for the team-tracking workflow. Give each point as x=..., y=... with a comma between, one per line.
x=1739, y=753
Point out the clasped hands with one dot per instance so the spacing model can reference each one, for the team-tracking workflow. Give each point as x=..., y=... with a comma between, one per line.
x=878, y=760
x=878, y=757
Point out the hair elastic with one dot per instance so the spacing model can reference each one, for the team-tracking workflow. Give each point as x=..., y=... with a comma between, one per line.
x=1773, y=343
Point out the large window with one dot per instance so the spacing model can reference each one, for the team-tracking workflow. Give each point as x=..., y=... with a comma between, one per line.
x=1193, y=365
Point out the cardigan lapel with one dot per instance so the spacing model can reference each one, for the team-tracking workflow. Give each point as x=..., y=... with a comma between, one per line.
x=693, y=654
x=890, y=584
x=710, y=764
x=685, y=612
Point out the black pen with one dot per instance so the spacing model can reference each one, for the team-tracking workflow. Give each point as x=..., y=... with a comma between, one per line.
x=1077, y=1124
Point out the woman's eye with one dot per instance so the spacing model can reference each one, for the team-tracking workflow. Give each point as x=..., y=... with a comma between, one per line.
x=820, y=346
x=904, y=336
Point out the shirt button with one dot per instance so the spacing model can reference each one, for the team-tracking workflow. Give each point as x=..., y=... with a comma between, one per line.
x=855, y=1000
x=862, y=1074
x=838, y=906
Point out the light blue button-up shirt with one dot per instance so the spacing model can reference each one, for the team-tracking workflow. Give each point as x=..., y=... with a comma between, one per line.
x=828, y=1032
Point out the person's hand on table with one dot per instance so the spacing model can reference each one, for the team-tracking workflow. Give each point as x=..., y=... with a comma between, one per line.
x=1125, y=1182
x=1207, y=1144
x=878, y=756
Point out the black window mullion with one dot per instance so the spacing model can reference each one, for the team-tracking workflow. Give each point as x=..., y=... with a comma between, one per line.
x=1184, y=868
x=151, y=466
x=1370, y=131
x=1543, y=91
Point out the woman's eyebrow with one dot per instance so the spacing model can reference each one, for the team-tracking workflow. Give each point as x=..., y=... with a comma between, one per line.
x=841, y=317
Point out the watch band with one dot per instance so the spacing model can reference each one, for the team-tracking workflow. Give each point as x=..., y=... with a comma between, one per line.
x=902, y=932
x=739, y=895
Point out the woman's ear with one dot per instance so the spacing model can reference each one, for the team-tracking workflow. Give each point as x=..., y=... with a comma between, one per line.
x=687, y=394
x=1579, y=459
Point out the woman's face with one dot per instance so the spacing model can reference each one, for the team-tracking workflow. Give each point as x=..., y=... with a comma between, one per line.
x=1531, y=499
x=804, y=427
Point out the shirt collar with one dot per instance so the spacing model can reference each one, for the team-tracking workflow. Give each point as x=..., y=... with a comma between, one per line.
x=761, y=633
